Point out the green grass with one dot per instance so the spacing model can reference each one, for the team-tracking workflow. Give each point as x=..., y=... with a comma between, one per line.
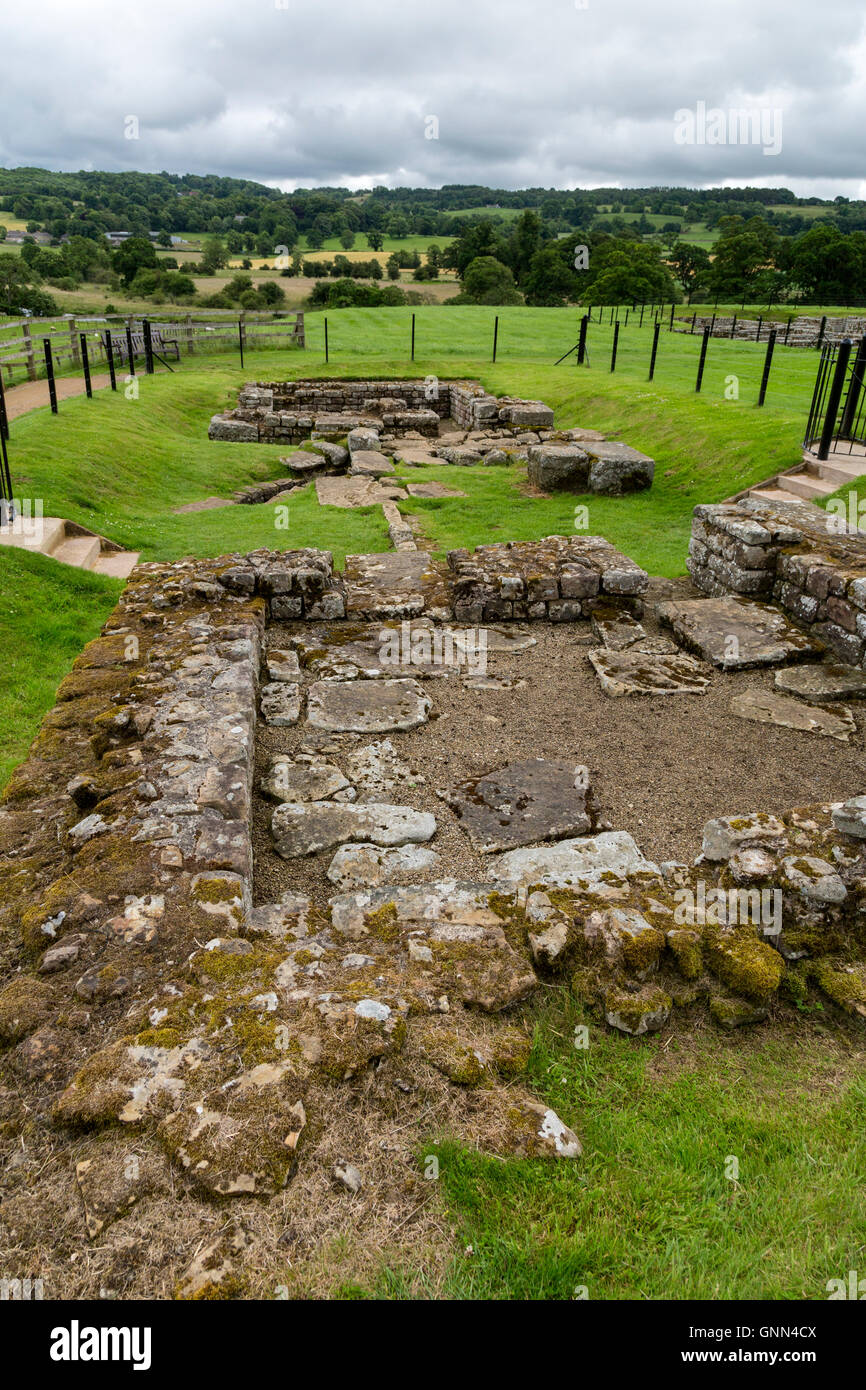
x=649, y=1212
x=47, y=613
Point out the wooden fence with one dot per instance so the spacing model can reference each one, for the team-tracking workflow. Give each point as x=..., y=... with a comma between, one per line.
x=21, y=340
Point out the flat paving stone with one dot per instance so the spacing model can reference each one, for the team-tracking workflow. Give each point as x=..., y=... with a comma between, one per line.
x=282, y=665
x=524, y=802
x=366, y=866
x=303, y=462
x=735, y=633
x=572, y=862
x=302, y=828
x=767, y=707
x=633, y=672
x=433, y=489
x=821, y=685
x=505, y=641
x=291, y=779
x=367, y=707
x=380, y=651
x=396, y=584
x=355, y=492
x=207, y=504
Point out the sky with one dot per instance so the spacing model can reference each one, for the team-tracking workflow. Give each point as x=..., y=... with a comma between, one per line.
x=555, y=93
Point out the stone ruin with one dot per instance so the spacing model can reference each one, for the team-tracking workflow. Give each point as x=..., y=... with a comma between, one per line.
x=157, y=999
x=360, y=427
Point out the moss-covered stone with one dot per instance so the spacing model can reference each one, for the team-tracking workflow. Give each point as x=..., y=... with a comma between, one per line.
x=744, y=962
x=24, y=1004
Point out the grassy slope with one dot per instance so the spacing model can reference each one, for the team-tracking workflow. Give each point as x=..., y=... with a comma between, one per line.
x=649, y=1211
x=47, y=613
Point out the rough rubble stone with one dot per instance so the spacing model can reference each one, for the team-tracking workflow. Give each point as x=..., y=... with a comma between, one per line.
x=822, y=684
x=359, y=866
x=571, y=862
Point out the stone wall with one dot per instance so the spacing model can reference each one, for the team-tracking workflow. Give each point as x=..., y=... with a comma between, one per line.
x=794, y=554
x=560, y=579
x=805, y=330
x=289, y=412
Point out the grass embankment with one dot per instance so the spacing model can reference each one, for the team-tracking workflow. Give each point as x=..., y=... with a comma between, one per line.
x=714, y=1167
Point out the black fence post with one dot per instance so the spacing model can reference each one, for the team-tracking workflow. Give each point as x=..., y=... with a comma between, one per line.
x=495, y=335
x=733, y=325
x=655, y=349
x=4, y=418
x=148, y=347
x=855, y=387
x=713, y=324
x=49, y=367
x=626, y=319
x=129, y=351
x=241, y=342
x=581, y=342
x=642, y=307
x=822, y=330
x=765, y=377
x=694, y=319
x=7, y=502
x=413, y=337
x=787, y=330
x=836, y=388
x=109, y=356
x=760, y=326
x=613, y=349
x=671, y=322
x=85, y=365
x=326, y=338
x=703, y=358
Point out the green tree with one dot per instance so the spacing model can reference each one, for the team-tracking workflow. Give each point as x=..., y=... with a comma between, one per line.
x=134, y=254
x=375, y=239
x=691, y=264
x=488, y=281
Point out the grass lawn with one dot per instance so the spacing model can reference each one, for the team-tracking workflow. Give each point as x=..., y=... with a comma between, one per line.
x=47, y=613
x=651, y=1211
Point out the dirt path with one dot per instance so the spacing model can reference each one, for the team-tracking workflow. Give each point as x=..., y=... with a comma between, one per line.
x=30, y=395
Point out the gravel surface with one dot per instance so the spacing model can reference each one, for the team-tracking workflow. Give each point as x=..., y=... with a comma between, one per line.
x=661, y=766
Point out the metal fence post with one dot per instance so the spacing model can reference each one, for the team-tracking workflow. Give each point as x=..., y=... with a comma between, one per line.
x=836, y=387
x=765, y=376
x=129, y=350
x=855, y=387
x=109, y=355
x=148, y=347
x=49, y=368
x=85, y=364
x=613, y=349
x=581, y=342
x=703, y=358
x=495, y=335
x=655, y=349
x=4, y=418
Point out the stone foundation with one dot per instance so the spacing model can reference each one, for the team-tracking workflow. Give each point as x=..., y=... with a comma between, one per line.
x=794, y=554
x=560, y=579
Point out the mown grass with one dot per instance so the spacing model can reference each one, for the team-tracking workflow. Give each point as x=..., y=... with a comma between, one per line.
x=652, y=1210
x=47, y=613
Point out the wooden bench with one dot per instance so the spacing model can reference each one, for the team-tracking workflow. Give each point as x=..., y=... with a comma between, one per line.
x=158, y=343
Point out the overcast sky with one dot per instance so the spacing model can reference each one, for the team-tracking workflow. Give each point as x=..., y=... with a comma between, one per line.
x=558, y=93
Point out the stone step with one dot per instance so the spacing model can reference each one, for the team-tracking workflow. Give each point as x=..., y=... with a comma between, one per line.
x=118, y=564
x=774, y=494
x=836, y=471
x=80, y=551
x=802, y=485
x=42, y=534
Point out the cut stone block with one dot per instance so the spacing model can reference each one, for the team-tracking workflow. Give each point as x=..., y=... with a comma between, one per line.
x=369, y=463
x=367, y=707
x=766, y=707
x=301, y=828
x=850, y=817
x=632, y=672
x=524, y=802
x=303, y=462
x=354, y=492
x=616, y=468
x=395, y=584
x=736, y=633
x=433, y=489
